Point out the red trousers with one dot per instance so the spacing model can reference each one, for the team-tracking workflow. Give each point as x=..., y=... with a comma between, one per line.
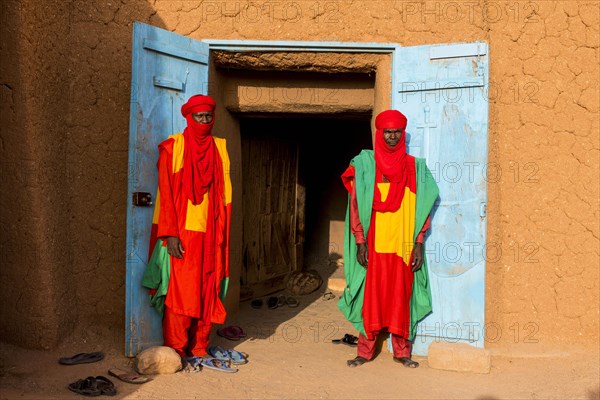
x=366, y=348
x=187, y=335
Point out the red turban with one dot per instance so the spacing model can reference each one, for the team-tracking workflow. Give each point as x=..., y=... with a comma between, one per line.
x=201, y=162
x=391, y=162
x=198, y=103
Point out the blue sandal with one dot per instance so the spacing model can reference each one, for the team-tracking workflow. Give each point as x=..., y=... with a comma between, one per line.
x=234, y=356
x=192, y=364
x=218, y=365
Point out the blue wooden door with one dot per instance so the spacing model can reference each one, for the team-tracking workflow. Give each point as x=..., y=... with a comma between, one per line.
x=166, y=70
x=442, y=91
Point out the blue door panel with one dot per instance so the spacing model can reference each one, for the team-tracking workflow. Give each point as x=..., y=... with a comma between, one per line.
x=167, y=69
x=440, y=89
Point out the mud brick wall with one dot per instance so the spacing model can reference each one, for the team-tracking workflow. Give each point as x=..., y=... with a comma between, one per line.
x=64, y=85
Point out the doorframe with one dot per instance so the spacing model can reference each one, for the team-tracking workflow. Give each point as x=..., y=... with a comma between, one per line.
x=272, y=46
x=267, y=46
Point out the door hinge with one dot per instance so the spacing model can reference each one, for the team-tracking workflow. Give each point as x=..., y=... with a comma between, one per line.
x=483, y=210
x=142, y=199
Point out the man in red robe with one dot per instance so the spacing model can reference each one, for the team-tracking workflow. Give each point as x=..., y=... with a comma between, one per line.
x=191, y=222
x=392, y=250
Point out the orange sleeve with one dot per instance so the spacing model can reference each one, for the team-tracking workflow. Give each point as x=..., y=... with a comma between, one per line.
x=167, y=219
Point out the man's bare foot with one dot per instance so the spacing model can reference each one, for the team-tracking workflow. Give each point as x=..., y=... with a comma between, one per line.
x=407, y=362
x=356, y=362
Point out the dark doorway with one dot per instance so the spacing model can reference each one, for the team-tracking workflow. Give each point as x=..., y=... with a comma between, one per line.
x=294, y=203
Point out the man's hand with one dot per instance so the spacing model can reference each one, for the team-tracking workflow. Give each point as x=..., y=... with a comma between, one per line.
x=174, y=247
x=362, y=254
x=417, y=259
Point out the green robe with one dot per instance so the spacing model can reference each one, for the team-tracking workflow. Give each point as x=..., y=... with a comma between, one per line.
x=351, y=302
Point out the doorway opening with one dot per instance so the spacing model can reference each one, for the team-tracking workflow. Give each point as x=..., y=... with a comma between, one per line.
x=294, y=203
x=292, y=121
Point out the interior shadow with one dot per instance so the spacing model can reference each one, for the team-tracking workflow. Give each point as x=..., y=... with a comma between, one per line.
x=324, y=147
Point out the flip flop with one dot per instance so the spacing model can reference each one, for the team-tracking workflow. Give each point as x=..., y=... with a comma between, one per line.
x=240, y=332
x=348, y=340
x=280, y=301
x=85, y=387
x=235, y=330
x=256, y=303
x=228, y=333
x=82, y=358
x=105, y=386
x=217, y=365
x=192, y=364
x=292, y=302
x=129, y=377
x=218, y=352
x=328, y=296
x=233, y=356
x=237, y=357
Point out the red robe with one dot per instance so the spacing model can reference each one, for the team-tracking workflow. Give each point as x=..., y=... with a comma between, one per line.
x=196, y=281
x=389, y=279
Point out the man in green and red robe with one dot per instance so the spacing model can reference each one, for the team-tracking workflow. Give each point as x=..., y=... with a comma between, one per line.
x=391, y=195
x=188, y=270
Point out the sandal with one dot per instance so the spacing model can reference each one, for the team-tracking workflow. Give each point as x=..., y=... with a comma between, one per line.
x=328, y=296
x=106, y=386
x=82, y=358
x=280, y=300
x=229, y=333
x=85, y=387
x=238, y=331
x=192, y=364
x=272, y=303
x=217, y=365
x=348, y=340
x=129, y=377
x=292, y=302
x=256, y=304
x=233, y=356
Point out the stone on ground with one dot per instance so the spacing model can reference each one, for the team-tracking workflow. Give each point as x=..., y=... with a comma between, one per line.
x=158, y=360
x=459, y=357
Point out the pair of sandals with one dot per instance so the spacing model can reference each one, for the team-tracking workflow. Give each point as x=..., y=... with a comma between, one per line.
x=280, y=301
x=196, y=364
x=275, y=302
x=93, y=386
x=218, y=359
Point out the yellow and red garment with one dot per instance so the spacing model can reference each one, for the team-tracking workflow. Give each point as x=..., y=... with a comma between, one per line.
x=390, y=239
x=391, y=234
x=199, y=281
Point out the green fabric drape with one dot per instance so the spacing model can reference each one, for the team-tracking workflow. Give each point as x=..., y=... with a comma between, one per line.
x=157, y=274
x=351, y=302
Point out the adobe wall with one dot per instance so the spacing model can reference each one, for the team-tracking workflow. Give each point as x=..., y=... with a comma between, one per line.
x=65, y=73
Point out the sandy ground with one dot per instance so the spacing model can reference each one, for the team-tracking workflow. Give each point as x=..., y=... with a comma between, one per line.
x=291, y=357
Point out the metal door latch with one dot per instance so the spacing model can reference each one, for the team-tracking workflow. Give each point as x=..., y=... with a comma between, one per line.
x=142, y=199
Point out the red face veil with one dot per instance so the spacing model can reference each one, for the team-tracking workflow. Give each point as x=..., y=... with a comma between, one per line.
x=200, y=158
x=391, y=162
